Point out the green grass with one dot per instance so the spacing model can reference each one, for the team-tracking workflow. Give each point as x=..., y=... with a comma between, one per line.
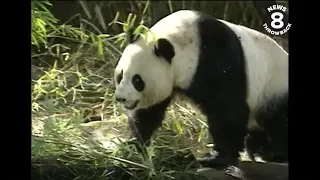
x=71, y=81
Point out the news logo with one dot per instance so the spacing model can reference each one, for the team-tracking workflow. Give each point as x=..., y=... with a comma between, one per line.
x=278, y=23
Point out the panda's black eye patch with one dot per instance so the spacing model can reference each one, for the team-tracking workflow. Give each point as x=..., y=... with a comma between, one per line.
x=119, y=77
x=138, y=82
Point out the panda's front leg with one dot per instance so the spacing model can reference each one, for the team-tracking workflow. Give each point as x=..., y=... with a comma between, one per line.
x=227, y=126
x=144, y=122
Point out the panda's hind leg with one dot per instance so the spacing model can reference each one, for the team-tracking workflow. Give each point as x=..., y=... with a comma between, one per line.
x=256, y=142
x=273, y=119
x=227, y=126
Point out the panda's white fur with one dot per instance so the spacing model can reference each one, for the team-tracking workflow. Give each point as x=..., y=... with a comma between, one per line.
x=266, y=64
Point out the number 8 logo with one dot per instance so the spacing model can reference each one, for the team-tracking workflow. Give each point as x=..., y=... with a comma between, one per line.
x=277, y=23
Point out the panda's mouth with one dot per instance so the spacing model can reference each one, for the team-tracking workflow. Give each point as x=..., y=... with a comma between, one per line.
x=132, y=106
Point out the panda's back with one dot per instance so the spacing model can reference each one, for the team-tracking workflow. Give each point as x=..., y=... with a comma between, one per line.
x=266, y=63
x=261, y=64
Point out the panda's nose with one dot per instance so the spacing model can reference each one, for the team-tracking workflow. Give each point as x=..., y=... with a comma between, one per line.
x=121, y=100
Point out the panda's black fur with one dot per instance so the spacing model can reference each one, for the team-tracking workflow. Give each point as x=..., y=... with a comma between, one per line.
x=274, y=121
x=221, y=97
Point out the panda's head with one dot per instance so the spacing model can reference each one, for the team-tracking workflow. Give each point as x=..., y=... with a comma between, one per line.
x=144, y=75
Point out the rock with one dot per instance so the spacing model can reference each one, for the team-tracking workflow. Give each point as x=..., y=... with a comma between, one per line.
x=50, y=167
x=251, y=171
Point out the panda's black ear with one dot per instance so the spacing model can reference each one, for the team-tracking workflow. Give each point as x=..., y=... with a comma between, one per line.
x=165, y=49
x=130, y=36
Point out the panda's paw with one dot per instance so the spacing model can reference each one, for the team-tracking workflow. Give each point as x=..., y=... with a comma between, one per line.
x=235, y=172
x=217, y=162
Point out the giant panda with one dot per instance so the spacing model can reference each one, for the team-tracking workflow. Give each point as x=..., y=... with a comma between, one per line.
x=237, y=76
